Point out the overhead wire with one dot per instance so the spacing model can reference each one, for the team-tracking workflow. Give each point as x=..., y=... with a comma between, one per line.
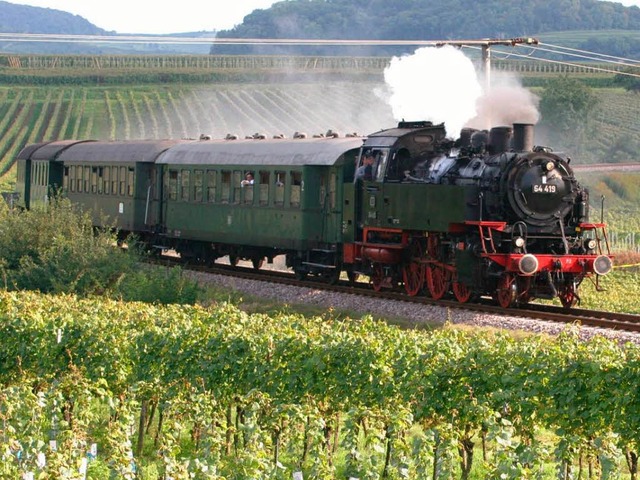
x=595, y=57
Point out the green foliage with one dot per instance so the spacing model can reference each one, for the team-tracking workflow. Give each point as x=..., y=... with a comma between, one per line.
x=415, y=19
x=158, y=285
x=566, y=105
x=190, y=392
x=56, y=249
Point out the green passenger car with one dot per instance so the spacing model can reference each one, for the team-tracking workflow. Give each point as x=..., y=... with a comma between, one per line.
x=292, y=205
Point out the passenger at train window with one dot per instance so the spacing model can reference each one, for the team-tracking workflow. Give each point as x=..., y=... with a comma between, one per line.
x=248, y=179
x=365, y=170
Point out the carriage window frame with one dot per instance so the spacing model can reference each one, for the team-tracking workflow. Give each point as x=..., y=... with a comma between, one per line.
x=114, y=180
x=86, y=178
x=198, y=181
x=264, y=186
x=297, y=186
x=225, y=186
x=280, y=184
x=185, y=182
x=122, y=177
x=94, y=180
x=67, y=182
x=79, y=181
x=212, y=178
x=106, y=181
x=131, y=181
x=172, y=185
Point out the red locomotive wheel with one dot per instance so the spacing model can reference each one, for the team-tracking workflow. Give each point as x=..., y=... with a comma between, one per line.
x=413, y=273
x=506, y=293
x=413, y=278
x=437, y=281
x=377, y=277
x=461, y=291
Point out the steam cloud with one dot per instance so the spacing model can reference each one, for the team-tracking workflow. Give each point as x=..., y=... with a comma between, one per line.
x=442, y=85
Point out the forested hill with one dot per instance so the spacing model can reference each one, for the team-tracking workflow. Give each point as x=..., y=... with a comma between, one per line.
x=437, y=19
x=26, y=19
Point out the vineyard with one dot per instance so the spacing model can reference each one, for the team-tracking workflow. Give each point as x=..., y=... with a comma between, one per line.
x=99, y=389
x=33, y=114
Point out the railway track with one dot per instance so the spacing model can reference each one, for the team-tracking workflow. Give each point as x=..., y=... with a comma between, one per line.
x=593, y=318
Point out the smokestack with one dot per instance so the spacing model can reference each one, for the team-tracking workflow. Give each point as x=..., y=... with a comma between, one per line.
x=465, y=137
x=500, y=139
x=522, y=137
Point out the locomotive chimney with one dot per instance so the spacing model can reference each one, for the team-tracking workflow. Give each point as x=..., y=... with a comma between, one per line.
x=522, y=137
x=500, y=139
x=465, y=137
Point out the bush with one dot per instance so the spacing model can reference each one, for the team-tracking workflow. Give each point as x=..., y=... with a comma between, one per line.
x=158, y=285
x=56, y=249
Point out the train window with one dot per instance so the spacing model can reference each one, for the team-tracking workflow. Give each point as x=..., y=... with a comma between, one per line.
x=94, y=179
x=226, y=186
x=248, y=183
x=280, y=181
x=238, y=176
x=106, y=181
x=211, y=185
x=264, y=187
x=424, y=139
x=172, y=183
x=65, y=179
x=100, y=175
x=114, y=180
x=185, y=176
x=122, y=176
x=198, y=177
x=131, y=181
x=87, y=179
x=79, y=178
x=296, y=188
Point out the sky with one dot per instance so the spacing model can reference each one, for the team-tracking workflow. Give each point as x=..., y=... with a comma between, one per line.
x=157, y=16
x=166, y=16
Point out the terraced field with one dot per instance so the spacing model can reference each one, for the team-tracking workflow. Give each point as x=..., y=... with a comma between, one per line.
x=33, y=114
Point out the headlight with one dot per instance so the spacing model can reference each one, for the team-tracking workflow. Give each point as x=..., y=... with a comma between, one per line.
x=550, y=166
x=602, y=265
x=518, y=242
x=528, y=264
x=590, y=243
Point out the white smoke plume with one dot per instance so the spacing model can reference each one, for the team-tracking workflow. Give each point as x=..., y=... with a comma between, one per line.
x=441, y=84
x=436, y=84
x=506, y=103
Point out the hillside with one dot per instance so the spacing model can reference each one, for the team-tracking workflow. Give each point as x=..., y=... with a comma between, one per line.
x=601, y=26
x=26, y=19
x=438, y=19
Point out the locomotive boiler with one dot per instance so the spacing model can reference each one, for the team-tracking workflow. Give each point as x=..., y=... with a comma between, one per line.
x=490, y=214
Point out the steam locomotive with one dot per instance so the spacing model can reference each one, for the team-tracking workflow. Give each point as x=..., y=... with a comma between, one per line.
x=487, y=215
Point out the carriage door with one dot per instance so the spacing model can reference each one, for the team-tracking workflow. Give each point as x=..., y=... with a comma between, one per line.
x=372, y=191
x=148, y=181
